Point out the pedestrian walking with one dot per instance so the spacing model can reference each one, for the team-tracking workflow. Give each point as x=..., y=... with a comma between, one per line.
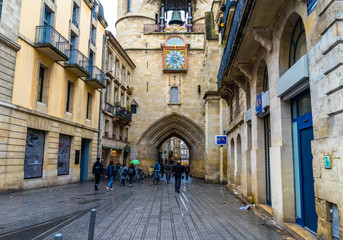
x=187, y=170
x=132, y=173
x=123, y=172
x=97, y=171
x=116, y=175
x=178, y=170
x=162, y=170
x=110, y=173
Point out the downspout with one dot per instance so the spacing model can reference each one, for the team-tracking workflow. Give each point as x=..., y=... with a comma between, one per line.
x=100, y=109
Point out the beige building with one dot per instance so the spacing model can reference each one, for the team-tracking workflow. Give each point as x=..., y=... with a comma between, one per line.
x=117, y=104
x=53, y=117
x=171, y=79
x=279, y=82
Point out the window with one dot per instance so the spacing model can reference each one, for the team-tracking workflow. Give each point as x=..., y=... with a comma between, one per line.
x=311, y=5
x=47, y=16
x=109, y=61
x=40, y=88
x=107, y=93
x=91, y=63
x=115, y=96
x=0, y=8
x=126, y=134
x=73, y=41
x=174, y=95
x=106, y=127
x=265, y=81
x=93, y=35
x=122, y=99
x=94, y=12
x=63, y=155
x=114, y=130
x=298, y=47
x=128, y=80
x=128, y=6
x=133, y=109
x=89, y=106
x=117, y=68
x=75, y=15
x=123, y=76
x=121, y=133
x=70, y=97
x=34, y=154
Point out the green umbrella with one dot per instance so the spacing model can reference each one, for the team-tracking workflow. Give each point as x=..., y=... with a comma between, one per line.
x=135, y=161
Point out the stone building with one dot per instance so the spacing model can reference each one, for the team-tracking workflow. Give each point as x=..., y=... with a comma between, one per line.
x=9, y=31
x=117, y=104
x=176, y=66
x=280, y=79
x=52, y=119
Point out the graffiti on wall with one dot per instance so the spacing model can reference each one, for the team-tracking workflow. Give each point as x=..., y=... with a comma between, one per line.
x=63, y=155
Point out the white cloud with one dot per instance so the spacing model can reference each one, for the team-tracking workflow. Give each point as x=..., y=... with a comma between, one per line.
x=110, y=9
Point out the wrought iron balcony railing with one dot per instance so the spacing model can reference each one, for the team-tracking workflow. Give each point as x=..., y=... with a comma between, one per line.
x=236, y=22
x=118, y=111
x=150, y=28
x=96, y=77
x=78, y=63
x=51, y=42
x=101, y=15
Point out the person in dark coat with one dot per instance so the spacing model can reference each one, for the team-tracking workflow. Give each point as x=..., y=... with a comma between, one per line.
x=187, y=170
x=178, y=170
x=97, y=171
x=131, y=173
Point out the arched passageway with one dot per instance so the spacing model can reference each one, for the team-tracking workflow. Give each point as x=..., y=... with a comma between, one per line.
x=173, y=125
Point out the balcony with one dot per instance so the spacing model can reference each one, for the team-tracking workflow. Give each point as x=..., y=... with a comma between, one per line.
x=119, y=111
x=96, y=77
x=51, y=43
x=78, y=63
x=195, y=28
x=101, y=16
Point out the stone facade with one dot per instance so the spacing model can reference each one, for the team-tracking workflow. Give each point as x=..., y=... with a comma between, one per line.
x=157, y=117
x=116, y=103
x=261, y=61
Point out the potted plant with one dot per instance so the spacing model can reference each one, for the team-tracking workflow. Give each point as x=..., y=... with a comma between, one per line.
x=129, y=90
x=117, y=104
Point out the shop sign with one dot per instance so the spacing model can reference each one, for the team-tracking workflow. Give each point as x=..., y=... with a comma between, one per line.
x=327, y=161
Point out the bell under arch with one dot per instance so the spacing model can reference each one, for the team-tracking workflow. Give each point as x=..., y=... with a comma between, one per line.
x=168, y=126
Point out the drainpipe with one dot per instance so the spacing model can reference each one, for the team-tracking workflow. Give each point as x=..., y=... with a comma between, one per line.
x=100, y=108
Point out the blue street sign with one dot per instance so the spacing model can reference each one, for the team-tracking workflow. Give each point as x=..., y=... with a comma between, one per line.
x=220, y=140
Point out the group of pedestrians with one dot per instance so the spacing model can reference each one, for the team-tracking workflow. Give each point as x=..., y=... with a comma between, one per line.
x=114, y=173
x=120, y=173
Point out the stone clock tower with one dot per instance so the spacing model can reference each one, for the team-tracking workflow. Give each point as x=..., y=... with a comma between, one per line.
x=166, y=41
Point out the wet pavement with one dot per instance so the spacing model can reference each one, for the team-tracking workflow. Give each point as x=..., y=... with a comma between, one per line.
x=200, y=211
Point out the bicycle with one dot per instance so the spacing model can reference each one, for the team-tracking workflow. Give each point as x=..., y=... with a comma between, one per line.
x=156, y=177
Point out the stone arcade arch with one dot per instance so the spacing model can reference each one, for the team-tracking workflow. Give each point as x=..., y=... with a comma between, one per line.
x=168, y=126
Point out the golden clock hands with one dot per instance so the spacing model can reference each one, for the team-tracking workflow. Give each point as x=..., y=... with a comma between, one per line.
x=175, y=59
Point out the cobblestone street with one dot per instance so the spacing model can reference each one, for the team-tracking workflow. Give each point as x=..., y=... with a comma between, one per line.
x=145, y=211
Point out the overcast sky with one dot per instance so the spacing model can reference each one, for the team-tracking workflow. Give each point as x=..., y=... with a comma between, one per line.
x=110, y=8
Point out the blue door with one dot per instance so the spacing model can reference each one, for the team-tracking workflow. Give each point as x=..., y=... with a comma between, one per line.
x=84, y=160
x=302, y=129
x=47, y=22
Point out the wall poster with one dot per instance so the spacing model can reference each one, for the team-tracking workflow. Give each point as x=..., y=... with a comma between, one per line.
x=63, y=155
x=34, y=154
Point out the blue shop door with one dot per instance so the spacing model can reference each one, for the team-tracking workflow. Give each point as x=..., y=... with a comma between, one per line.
x=309, y=208
x=84, y=160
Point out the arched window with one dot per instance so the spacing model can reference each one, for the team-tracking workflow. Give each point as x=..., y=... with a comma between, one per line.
x=265, y=80
x=298, y=46
x=174, y=95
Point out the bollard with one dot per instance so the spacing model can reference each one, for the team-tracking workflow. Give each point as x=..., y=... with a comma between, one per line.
x=92, y=225
x=58, y=236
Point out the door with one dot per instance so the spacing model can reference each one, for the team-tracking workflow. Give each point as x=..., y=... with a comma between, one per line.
x=47, y=23
x=34, y=154
x=302, y=131
x=267, y=140
x=309, y=208
x=84, y=160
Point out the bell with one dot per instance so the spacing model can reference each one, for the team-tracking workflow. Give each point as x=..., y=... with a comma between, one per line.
x=176, y=18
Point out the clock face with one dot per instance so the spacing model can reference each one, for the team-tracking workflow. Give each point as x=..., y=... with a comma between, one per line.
x=175, y=59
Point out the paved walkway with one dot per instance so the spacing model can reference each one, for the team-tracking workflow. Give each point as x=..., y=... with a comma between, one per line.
x=200, y=211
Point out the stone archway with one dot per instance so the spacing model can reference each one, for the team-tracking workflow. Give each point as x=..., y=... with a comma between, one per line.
x=168, y=126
